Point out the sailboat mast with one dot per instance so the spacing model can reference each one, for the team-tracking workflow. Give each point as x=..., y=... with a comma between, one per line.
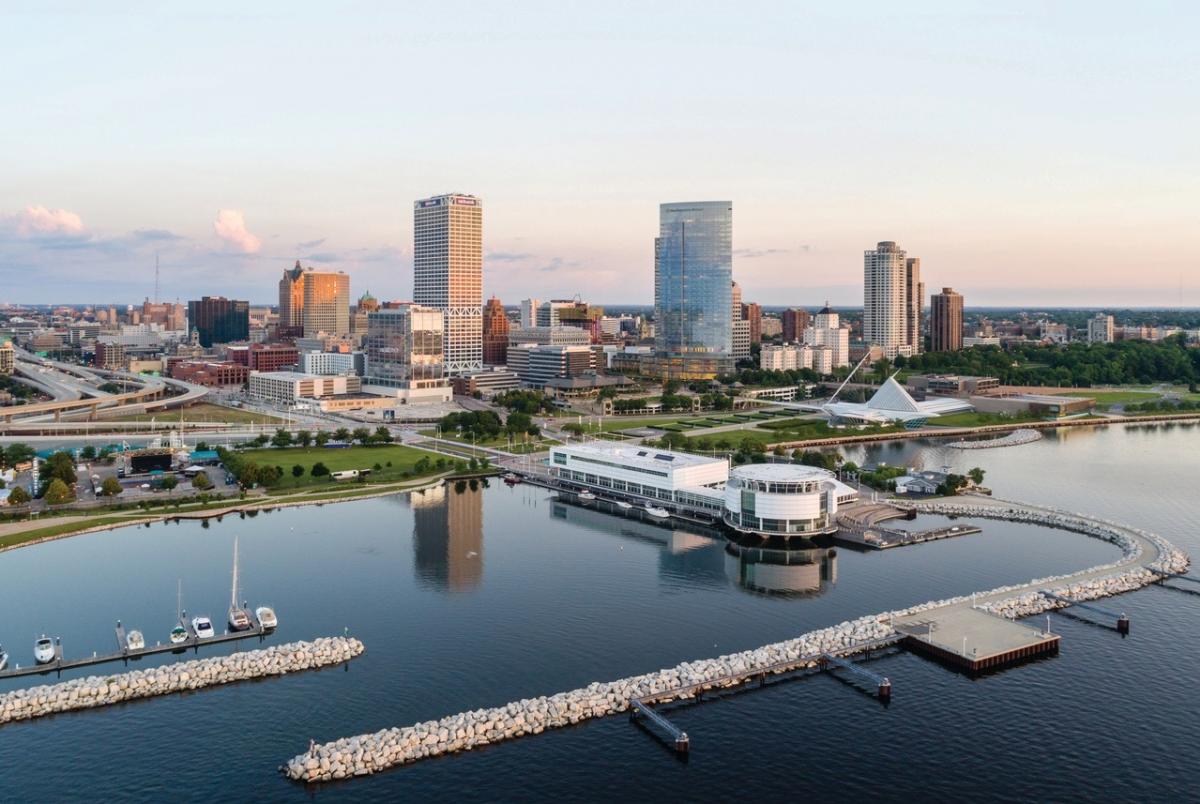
x=233, y=593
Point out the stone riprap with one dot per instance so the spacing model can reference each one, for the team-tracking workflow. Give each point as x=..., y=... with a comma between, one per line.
x=371, y=753
x=93, y=691
x=1015, y=438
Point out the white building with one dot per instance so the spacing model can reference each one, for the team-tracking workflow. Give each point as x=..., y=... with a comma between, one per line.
x=332, y=362
x=548, y=336
x=448, y=273
x=634, y=471
x=784, y=499
x=287, y=387
x=1100, y=329
x=741, y=327
x=794, y=356
x=891, y=404
x=826, y=330
x=892, y=300
x=529, y=308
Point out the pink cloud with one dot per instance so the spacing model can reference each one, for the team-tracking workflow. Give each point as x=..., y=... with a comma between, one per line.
x=37, y=220
x=230, y=226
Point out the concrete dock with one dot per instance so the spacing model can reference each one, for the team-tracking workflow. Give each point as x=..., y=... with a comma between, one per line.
x=973, y=639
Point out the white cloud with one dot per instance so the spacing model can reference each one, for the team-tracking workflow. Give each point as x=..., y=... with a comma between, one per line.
x=230, y=226
x=34, y=221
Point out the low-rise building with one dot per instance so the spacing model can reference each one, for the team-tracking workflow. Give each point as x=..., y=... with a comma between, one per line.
x=537, y=364
x=210, y=373
x=784, y=499
x=287, y=387
x=333, y=362
x=488, y=382
x=960, y=385
x=1047, y=405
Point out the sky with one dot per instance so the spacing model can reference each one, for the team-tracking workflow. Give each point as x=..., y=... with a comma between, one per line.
x=1030, y=153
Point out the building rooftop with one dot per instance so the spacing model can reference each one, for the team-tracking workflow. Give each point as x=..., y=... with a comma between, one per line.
x=781, y=471
x=637, y=455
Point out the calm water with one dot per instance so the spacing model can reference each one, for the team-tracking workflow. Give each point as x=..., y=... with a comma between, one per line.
x=477, y=597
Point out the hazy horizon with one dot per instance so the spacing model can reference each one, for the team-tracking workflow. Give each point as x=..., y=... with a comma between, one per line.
x=1036, y=157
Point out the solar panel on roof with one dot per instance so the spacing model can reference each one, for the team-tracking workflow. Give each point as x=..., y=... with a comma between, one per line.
x=662, y=457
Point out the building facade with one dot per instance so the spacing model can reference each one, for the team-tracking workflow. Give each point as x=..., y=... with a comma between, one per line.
x=448, y=273
x=287, y=387
x=740, y=336
x=333, y=363
x=784, y=499
x=752, y=312
x=291, y=302
x=794, y=322
x=892, y=293
x=495, y=333
x=827, y=332
x=326, y=303
x=693, y=290
x=404, y=353
x=219, y=320
x=534, y=365
x=1100, y=329
x=213, y=374
x=946, y=321
x=548, y=336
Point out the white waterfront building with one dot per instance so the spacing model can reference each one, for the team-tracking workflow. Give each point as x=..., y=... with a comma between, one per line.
x=638, y=471
x=784, y=499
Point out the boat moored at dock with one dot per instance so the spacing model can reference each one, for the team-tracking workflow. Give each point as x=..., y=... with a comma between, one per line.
x=43, y=650
x=203, y=627
x=266, y=617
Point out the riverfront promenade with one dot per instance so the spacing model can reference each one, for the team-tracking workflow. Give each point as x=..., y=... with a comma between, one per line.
x=1145, y=557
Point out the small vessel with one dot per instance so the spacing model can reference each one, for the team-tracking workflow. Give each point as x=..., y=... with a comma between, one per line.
x=43, y=650
x=586, y=496
x=624, y=505
x=3, y=658
x=512, y=479
x=239, y=618
x=660, y=513
x=203, y=628
x=266, y=617
x=134, y=640
x=179, y=633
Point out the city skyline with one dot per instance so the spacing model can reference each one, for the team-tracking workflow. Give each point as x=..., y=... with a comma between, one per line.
x=114, y=168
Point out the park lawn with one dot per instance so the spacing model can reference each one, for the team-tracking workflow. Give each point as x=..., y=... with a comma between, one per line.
x=403, y=459
x=59, y=529
x=202, y=412
x=1117, y=397
x=975, y=419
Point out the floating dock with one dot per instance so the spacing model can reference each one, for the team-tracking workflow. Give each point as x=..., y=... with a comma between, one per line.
x=193, y=642
x=880, y=538
x=974, y=640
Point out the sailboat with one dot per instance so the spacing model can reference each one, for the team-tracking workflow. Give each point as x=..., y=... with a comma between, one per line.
x=179, y=633
x=239, y=619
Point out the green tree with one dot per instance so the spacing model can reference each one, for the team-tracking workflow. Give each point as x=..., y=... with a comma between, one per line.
x=17, y=453
x=976, y=476
x=297, y=471
x=382, y=435
x=169, y=482
x=319, y=470
x=88, y=453
x=261, y=440
x=58, y=492
x=322, y=438
x=201, y=482
x=282, y=438
x=422, y=465
x=60, y=465
x=362, y=435
x=202, y=446
x=111, y=487
x=18, y=496
x=341, y=434
x=473, y=464
x=304, y=438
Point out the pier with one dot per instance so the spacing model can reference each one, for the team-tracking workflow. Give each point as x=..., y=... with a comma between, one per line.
x=193, y=642
x=974, y=640
x=1122, y=619
x=880, y=538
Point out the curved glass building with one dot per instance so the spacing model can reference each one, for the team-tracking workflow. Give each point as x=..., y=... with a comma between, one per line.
x=693, y=276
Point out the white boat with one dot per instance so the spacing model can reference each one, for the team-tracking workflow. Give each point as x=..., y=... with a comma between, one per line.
x=3, y=658
x=179, y=633
x=586, y=496
x=134, y=640
x=660, y=513
x=623, y=504
x=266, y=617
x=239, y=619
x=203, y=628
x=43, y=650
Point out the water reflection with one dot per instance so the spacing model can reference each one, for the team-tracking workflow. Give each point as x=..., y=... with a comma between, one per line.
x=448, y=536
x=781, y=572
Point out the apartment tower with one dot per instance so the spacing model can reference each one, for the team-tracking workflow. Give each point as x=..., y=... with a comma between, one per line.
x=946, y=321
x=448, y=273
x=892, y=294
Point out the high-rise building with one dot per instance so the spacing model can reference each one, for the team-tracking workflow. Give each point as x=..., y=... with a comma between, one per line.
x=946, y=321
x=495, y=333
x=404, y=348
x=217, y=319
x=291, y=302
x=693, y=290
x=794, y=323
x=326, y=303
x=752, y=312
x=1100, y=329
x=892, y=294
x=827, y=332
x=741, y=327
x=448, y=273
x=529, y=311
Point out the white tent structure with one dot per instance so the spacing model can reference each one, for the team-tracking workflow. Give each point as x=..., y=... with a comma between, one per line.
x=891, y=404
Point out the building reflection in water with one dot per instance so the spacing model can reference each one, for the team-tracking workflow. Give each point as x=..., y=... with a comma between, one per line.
x=448, y=536
x=800, y=572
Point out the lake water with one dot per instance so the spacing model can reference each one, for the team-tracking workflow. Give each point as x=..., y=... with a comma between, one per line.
x=475, y=597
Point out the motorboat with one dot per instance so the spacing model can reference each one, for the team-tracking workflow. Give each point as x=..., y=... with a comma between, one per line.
x=203, y=628
x=3, y=658
x=266, y=617
x=622, y=504
x=134, y=640
x=239, y=618
x=179, y=633
x=512, y=479
x=43, y=650
x=659, y=513
x=586, y=496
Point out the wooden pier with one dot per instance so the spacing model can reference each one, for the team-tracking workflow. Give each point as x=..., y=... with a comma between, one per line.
x=193, y=642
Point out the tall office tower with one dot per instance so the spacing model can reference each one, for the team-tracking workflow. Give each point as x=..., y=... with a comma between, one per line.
x=529, y=311
x=216, y=319
x=741, y=327
x=291, y=301
x=495, y=333
x=892, y=293
x=946, y=321
x=1100, y=329
x=404, y=353
x=752, y=312
x=548, y=312
x=794, y=323
x=448, y=273
x=326, y=303
x=693, y=290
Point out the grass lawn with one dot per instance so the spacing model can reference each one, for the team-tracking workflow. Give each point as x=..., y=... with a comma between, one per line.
x=401, y=457
x=56, y=530
x=201, y=412
x=1117, y=397
x=803, y=431
x=974, y=419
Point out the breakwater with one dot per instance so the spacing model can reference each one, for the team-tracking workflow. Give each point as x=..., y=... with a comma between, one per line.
x=1015, y=438
x=1143, y=554
x=94, y=691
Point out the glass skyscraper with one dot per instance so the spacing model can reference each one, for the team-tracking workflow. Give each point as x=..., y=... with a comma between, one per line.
x=693, y=290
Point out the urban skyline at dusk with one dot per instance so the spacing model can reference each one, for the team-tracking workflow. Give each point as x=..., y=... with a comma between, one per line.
x=979, y=139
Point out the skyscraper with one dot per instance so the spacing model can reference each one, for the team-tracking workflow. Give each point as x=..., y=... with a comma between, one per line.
x=741, y=326
x=495, y=333
x=752, y=312
x=291, y=302
x=404, y=353
x=216, y=319
x=945, y=321
x=326, y=303
x=448, y=273
x=693, y=290
x=529, y=311
x=892, y=294
x=794, y=322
